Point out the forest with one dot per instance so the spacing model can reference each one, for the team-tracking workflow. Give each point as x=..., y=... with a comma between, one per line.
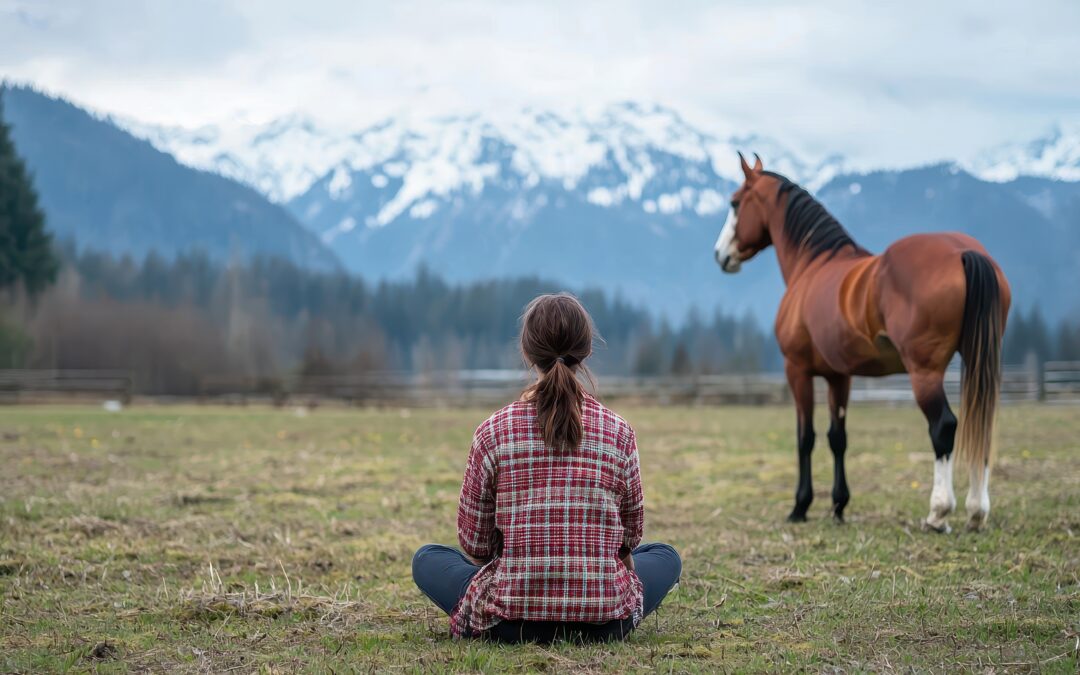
x=174, y=322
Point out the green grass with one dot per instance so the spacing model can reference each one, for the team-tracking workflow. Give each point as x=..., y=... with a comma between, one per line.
x=210, y=539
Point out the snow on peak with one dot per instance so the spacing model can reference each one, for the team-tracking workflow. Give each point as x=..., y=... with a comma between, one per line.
x=280, y=159
x=644, y=153
x=1055, y=155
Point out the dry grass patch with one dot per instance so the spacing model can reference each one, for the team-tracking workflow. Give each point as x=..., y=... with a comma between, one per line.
x=231, y=539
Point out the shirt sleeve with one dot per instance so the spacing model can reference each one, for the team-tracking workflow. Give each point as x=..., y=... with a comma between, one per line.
x=476, y=507
x=632, y=508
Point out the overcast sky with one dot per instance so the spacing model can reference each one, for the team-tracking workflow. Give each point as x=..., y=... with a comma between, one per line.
x=911, y=82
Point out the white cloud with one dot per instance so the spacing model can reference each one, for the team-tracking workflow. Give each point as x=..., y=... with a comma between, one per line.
x=710, y=201
x=893, y=83
x=602, y=196
x=670, y=203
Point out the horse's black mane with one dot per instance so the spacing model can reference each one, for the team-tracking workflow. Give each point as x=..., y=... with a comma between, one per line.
x=808, y=225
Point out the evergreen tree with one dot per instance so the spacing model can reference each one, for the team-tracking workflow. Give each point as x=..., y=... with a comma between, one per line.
x=1017, y=338
x=1039, y=336
x=1068, y=341
x=680, y=361
x=26, y=253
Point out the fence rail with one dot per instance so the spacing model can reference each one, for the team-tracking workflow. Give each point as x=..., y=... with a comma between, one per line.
x=1055, y=381
x=33, y=385
x=1061, y=380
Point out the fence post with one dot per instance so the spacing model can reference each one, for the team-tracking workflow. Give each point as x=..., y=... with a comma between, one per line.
x=1037, y=373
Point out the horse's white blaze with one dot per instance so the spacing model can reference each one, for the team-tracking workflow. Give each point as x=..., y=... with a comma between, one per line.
x=942, y=498
x=978, y=499
x=727, y=248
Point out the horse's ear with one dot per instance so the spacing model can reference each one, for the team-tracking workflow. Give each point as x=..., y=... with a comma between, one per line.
x=747, y=171
x=757, y=163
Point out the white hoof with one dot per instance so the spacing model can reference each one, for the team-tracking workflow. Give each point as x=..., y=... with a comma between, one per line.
x=942, y=498
x=940, y=526
x=978, y=501
x=977, y=520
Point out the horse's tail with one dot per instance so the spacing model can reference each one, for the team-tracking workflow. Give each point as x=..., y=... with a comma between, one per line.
x=980, y=347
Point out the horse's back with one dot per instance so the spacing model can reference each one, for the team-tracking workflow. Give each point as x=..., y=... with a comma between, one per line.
x=930, y=265
x=930, y=247
x=875, y=315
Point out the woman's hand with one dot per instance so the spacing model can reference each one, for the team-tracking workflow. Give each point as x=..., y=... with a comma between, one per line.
x=476, y=561
x=629, y=561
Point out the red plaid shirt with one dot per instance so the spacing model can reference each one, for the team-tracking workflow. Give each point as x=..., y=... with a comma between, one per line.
x=553, y=525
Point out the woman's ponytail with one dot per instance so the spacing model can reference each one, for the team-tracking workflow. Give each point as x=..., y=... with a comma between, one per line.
x=556, y=337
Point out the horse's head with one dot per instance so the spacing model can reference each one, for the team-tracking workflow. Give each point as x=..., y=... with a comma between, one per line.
x=746, y=230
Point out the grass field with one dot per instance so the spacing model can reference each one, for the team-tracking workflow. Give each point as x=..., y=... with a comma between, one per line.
x=234, y=539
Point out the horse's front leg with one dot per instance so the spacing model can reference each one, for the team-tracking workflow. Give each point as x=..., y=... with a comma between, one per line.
x=801, y=382
x=839, y=390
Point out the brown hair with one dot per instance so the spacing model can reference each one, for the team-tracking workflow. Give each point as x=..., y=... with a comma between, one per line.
x=556, y=337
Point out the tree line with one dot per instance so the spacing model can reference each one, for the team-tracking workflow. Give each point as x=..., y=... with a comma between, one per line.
x=1030, y=336
x=174, y=323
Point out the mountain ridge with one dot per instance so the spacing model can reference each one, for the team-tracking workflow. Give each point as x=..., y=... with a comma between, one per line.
x=285, y=156
x=630, y=200
x=102, y=187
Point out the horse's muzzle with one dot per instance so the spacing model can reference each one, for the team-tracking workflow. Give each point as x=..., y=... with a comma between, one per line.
x=728, y=263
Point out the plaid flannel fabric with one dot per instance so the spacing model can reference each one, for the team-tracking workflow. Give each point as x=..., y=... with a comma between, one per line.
x=553, y=525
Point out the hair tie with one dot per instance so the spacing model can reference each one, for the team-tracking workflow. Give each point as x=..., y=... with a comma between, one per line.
x=560, y=359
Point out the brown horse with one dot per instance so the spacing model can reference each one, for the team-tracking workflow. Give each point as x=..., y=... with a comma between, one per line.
x=847, y=312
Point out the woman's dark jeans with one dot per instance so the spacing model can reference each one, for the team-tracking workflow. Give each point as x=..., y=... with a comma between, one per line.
x=443, y=574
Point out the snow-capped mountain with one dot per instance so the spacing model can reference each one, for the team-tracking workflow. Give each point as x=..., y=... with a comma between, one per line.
x=280, y=159
x=1055, y=155
x=437, y=156
x=628, y=198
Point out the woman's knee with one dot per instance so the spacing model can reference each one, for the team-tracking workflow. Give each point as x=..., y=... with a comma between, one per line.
x=420, y=559
x=665, y=552
x=442, y=573
x=662, y=562
x=674, y=558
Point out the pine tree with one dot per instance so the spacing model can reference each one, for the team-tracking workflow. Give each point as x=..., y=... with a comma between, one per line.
x=26, y=253
x=680, y=361
x=1039, y=336
x=1068, y=341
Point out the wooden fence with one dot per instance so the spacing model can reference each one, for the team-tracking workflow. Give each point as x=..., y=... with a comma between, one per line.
x=1056, y=382
x=1060, y=381
x=22, y=386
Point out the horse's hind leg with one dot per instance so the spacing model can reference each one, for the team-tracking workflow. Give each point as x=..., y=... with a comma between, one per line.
x=839, y=390
x=930, y=395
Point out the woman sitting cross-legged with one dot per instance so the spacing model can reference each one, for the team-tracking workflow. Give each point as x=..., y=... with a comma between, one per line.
x=551, y=512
